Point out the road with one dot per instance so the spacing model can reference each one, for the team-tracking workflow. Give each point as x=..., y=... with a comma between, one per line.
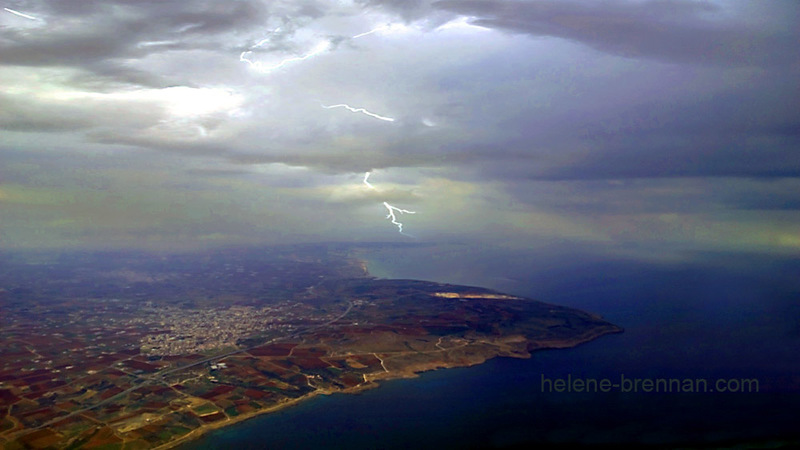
x=159, y=377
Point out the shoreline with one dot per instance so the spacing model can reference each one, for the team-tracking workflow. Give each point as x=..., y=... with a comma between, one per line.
x=372, y=383
x=199, y=432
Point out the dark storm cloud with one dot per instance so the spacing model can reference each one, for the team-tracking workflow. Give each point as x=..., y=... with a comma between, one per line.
x=736, y=133
x=200, y=15
x=22, y=113
x=19, y=114
x=745, y=129
x=98, y=37
x=103, y=76
x=679, y=31
x=67, y=47
x=613, y=115
x=409, y=10
x=642, y=155
x=682, y=161
x=108, y=33
x=742, y=131
x=699, y=195
x=775, y=199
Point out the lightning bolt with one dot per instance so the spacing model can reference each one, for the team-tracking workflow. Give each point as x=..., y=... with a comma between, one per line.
x=17, y=13
x=266, y=39
x=393, y=217
x=319, y=48
x=387, y=27
x=392, y=211
x=359, y=110
x=390, y=208
x=366, y=181
x=374, y=30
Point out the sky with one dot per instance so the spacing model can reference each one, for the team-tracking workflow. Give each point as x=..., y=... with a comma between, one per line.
x=646, y=127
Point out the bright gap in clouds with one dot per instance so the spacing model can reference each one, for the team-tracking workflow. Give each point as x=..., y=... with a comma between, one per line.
x=178, y=101
x=188, y=102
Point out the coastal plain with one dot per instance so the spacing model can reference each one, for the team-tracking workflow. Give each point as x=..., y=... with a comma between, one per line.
x=133, y=350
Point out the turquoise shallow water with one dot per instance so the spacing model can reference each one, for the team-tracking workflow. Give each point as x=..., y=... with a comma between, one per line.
x=705, y=321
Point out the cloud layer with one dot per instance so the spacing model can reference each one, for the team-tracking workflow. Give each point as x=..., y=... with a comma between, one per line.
x=197, y=121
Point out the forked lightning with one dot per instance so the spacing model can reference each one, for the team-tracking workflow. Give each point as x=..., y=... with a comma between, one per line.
x=390, y=208
x=393, y=217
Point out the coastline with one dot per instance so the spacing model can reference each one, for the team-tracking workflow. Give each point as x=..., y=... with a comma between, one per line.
x=197, y=433
x=372, y=383
x=390, y=329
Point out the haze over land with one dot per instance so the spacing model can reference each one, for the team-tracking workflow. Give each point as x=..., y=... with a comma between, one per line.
x=132, y=350
x=644, y=127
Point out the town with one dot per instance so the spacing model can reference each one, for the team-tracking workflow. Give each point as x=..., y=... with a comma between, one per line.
x=146, y=351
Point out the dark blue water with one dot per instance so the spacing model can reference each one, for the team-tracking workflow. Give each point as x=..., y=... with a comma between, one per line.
x=706, y=316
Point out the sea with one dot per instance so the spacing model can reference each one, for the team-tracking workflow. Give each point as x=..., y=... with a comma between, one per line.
x=710, y=320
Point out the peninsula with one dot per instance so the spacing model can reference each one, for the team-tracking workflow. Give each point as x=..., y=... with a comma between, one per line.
x=143, y=351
